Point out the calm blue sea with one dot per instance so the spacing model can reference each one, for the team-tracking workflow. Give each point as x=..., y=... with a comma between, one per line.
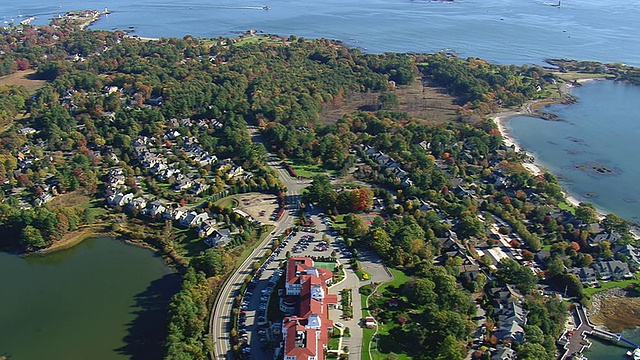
x=504, y=31
x=601, y=129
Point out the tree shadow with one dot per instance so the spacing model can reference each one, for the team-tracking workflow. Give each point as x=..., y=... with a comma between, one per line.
x=147, y=332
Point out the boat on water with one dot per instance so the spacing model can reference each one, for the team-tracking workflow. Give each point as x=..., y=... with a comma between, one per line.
x=266, y=7
x=635, y=354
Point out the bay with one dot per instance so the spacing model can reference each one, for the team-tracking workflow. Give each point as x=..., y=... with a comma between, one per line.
x=502, y=31
x=102, y=299
x=602, y=350
x=599, y=134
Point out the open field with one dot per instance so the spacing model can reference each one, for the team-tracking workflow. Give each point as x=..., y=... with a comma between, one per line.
x=22, y=78
x=428, y=103
x=74, y=198
x=573, y=75
x=308, y=171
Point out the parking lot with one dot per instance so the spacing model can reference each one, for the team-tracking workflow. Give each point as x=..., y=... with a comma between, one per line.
x=253, y=327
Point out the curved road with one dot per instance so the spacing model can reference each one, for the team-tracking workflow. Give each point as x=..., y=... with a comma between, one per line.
x=220, y=317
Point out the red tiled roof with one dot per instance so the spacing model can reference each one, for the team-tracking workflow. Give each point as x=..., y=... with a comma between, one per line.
x=315, y=338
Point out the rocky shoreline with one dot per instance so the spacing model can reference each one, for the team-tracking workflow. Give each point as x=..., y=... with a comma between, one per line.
x=615, y=309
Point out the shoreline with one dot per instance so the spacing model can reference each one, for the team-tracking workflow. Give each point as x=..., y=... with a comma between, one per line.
x=610, y=309
x=73, y=238
x=531, y=108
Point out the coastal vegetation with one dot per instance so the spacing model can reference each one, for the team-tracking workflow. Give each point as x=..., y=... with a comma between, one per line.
x=111, y=101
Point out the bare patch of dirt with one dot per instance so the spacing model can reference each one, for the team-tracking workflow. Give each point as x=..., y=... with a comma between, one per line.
x=431, y=104
x=618, y=313
x=254, y=203
x=23, y=78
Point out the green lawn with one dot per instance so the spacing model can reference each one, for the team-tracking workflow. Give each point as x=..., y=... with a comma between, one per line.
x=362, y=275
x=334, y=341
x=339, y=223
x=564, y=206
x=399, y=278
x=229, y=202
x=307, y=170
x=255, y=39
x=611, y=284
x=383, y=344
x=188, y=242
x=331, y=266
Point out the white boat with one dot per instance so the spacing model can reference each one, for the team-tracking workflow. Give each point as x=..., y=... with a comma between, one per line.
x=635, y=354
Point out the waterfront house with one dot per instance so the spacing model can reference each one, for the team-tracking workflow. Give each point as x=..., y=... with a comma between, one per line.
x=587, y=275
x=612, y=270
x=630, y=252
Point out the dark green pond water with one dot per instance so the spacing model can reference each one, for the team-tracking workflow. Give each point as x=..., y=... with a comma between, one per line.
x=102, y=299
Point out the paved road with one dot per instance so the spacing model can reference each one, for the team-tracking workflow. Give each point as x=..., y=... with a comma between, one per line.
x=220, y=318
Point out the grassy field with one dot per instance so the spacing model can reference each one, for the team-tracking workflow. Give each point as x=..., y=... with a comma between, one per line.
x=188, y=243
x=399, y=278
x=244, y=40
x=572, y=75
x=23, y=78
x=564, y=206
x=334, y=341
x=609, y=285
x=308, y=171
x=431, y=104
x=79, y=200
x=382, y=344
x=228, y=203
x=325, y=265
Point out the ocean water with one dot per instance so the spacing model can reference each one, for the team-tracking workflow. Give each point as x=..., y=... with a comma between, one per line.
x=601, y=131
x=503, y=31
x=603, y=350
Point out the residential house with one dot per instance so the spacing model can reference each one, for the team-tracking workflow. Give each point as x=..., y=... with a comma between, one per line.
x=504, y=353
x=612, y=237
x=183, y=183
x=43, y=199
x=155, y=209
x=193, y=219
x=587, y=275
x=219, y=237
x=199, y=186
x=510, y=332
x=174, y=214
x=119, y=199
x=206, y=228
x=138, y=203
x=630, y=252
x=461, y=191
x=612, y=270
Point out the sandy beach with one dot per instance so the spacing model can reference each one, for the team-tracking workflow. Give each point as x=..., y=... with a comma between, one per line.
x=530, y=109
